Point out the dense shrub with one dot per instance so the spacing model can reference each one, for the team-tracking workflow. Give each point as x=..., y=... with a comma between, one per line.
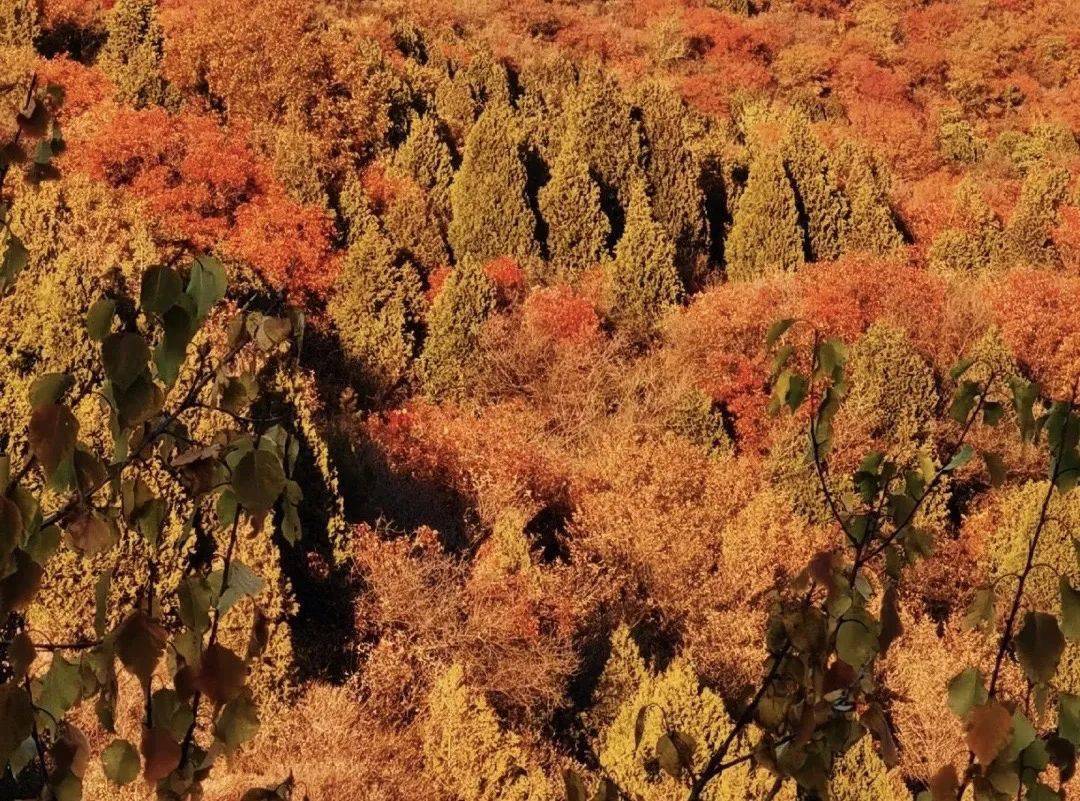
x=133, y=53
x=376, y=307
x=454, y=322
x=643, y=279
x=570, y=205
x=491, y=215
x=765, y=237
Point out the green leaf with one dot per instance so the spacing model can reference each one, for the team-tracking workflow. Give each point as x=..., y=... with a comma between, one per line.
x=237, y=723
x=99, y=318
x=121, y=762
x=17, y=715
x=169, y=355
x=207, y=284
x=140, y=642
x=1070, y=610
x=21, y=654
x=125, y=357
x=981, y=609
x=49, y=388
x=194, y=598
x=575, y=787
x=271, y=332
x=172, y=714
x=1069, y=718
x=1039, y=646
x=995, y=467
x=61, y=687
x=639, y=725
x=964, y=401
x=962, y=457
x=830, y=358
x=242, y=582
x=52, y=434
x=796, y=393
x=101, y=602
x=1004, y=780
x=290, y=524
x=1041, y=792
x=1024, y=396
x=1066, y=472
x=960, y=368
x=966, y=690
x=992, y=413
x=160, y=288
x=258, y=481
x=781, y=359
x=777, y=330
x=856, y=640
x=11, y=528
x=901, y=508
x=675, y=753
x=1023, y=735
x=891, y=625
x=15, y=260
x=607, y=790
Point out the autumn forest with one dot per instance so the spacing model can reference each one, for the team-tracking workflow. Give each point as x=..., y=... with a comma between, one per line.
x=599, y=400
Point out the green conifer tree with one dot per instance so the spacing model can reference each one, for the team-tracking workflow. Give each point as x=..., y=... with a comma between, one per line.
x=468, y=89
x=642, y=278
x=604, y=121
x=972, y=247
x=454, y=323
x=470, y=754
x=871, y=226
x=861, y=775
x=577, y=229
x=822, y=205
x=491, y=215
x=133, y=53
x=1027, y=240
x=415, y=225
x=375, y=308
x=765, y=236
x=673, y=174
x=19, y=22
x=547, y=84
x=426, y=157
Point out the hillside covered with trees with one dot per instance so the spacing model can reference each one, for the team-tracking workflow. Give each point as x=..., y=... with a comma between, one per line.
x=526, y=401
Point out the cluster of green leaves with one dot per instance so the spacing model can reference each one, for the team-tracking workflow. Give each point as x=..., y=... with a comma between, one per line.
x=36, y=143
x=831, y=624
x=1008, y=757
x=66, y=492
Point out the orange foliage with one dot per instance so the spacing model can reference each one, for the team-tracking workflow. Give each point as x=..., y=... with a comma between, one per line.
x=559, y=314
x=497, y=460
x=720, y=340
x=507, y=276
x=203, y=185
x=845, y=298
x=1067, y=237
x=436, y=280
x=1034, y=309
x=84, y=87
x=74, y=12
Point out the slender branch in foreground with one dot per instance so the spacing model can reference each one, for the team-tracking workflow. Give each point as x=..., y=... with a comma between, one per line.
x=864, y=553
